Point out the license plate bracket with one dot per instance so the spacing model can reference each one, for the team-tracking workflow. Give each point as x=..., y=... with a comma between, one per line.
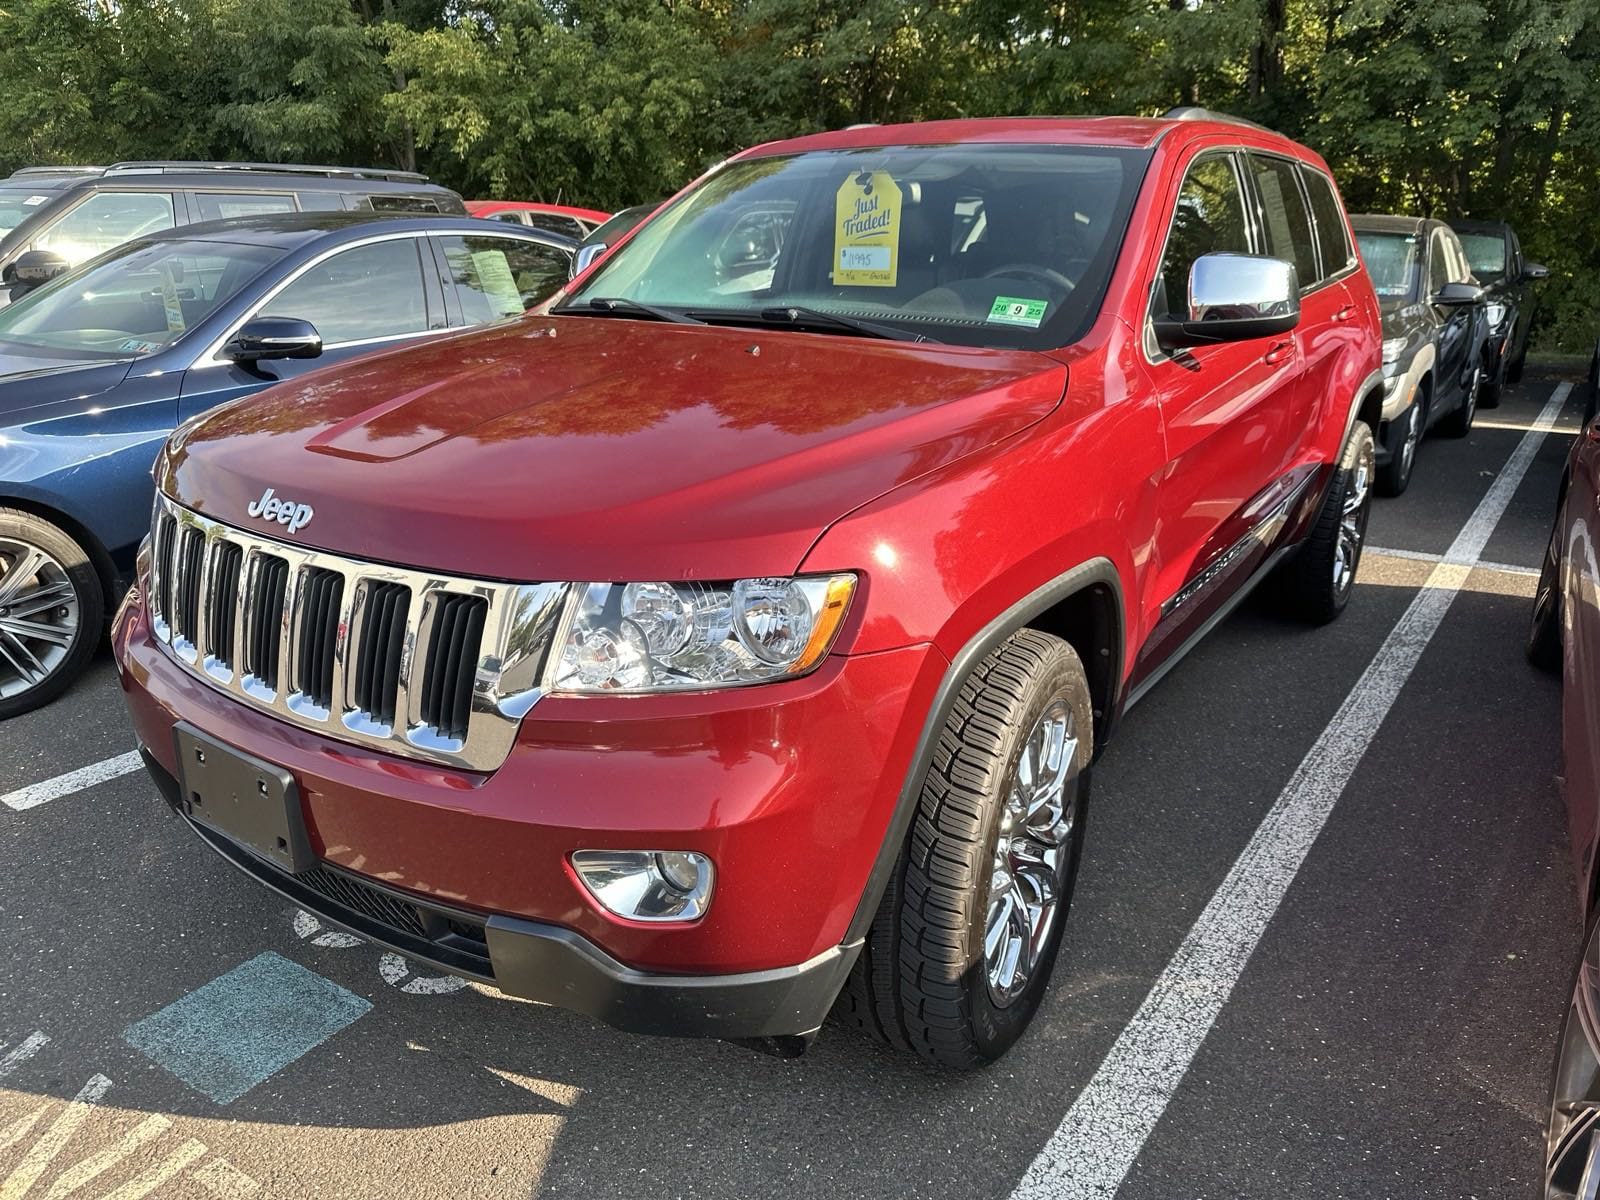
x=244, y=798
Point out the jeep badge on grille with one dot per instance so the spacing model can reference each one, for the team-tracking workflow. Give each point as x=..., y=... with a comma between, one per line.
x=284, y=512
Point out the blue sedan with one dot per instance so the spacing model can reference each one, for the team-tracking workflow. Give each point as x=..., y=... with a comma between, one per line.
x=98, y=366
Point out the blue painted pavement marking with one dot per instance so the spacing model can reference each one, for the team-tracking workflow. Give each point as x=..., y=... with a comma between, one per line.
x=243, y=1027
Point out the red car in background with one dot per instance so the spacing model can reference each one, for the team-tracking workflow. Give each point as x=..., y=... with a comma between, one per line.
x=732, y=643
x=576, y=223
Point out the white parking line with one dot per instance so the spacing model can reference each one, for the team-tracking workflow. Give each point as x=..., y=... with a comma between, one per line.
x=1424, y=556
x=36, y=794
x=1097, y=1142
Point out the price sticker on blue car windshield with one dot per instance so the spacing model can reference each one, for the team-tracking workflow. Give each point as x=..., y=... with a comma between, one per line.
x=1009, y=310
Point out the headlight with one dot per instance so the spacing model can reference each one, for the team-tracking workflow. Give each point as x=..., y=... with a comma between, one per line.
x=666, y=637
x=1393, y=348
x=1497, y=315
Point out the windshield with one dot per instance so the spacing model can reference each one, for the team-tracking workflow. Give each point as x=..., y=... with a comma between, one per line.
x=979, y=245
x=1486, y=254
x=1394, y=260
x=139, y=299
x=17, y=206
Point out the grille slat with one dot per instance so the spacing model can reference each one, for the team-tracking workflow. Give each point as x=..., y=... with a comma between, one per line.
x=266, y=622
x=266, y=619
x=453, y=649
x=378, y=657
x=319, y=631
x=223, y=606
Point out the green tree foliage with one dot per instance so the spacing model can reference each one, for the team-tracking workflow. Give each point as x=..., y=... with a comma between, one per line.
x=1474, y=107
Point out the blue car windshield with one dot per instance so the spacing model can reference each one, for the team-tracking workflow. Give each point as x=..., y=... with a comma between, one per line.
x=1394, y=262
x=139, y=299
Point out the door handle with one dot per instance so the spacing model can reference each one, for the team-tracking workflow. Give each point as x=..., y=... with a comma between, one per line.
x=1345, y=313
x=1278, y=352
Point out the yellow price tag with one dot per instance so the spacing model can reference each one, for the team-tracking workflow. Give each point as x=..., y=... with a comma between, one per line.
x=866, y=230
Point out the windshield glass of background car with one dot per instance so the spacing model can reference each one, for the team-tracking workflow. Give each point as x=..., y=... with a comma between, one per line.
x=1393, y=260
x=974, y=244
x=1486, y=252
x=134, y=303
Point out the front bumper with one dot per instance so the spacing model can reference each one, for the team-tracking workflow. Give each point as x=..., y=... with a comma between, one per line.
x=789, y=788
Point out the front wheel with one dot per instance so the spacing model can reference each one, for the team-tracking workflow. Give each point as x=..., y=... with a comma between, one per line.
x=52, y=609
x=1315, y=584
x=1395, y=475
x=1459, y=423
x=961, y=949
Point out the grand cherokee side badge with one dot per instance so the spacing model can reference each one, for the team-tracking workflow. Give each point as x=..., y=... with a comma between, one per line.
x=284, y=512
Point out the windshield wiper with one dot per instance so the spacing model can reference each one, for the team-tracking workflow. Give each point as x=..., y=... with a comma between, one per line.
x=811, y=318
x=623, y=307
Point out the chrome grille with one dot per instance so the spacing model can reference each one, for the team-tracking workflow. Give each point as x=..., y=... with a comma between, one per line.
x=435, y=667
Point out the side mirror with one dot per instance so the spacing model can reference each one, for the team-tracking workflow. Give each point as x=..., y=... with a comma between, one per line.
x=1456, y=295
x=1234, y=297
x=274, y=337
x=1535, y=270
x=585, y=257
x=33, y=269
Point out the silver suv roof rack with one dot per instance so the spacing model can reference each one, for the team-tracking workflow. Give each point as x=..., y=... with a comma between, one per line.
x=168, y=166
x=24, y=172
x=1193, y=112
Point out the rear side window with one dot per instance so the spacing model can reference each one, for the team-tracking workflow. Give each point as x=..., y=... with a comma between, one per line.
x=367, y=292
x=556, y=223
x=1331, y=237
x=104, y=220
x=419, y=204
x=220, y=206
x=499, y=277
x=1284, y=215
x=1209, y=218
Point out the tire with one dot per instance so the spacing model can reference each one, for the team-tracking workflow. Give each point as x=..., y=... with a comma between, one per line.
x=1544, y=625
x=44, y=645
x=1315, y=584
x=924, y=981
x=1514, y=369
x=1459, y=423
x=1494, y=384
x=1395, y=475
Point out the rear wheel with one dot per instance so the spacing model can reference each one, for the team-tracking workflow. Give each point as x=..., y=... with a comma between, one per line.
x=52, y=608
x=1315, y=584
x=962, y=946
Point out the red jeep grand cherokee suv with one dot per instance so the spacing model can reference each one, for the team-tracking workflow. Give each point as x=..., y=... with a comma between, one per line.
x=732, y=643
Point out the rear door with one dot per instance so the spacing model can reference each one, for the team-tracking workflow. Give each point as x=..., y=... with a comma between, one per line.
x=361, y=298
x=1231, y=413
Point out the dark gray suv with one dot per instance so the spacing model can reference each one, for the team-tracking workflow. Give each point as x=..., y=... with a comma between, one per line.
x=1434, y=327
x=61, y=216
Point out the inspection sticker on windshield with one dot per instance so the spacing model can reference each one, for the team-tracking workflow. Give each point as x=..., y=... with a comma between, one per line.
x=35, y=201
x=1008, y=310
x=866, y=230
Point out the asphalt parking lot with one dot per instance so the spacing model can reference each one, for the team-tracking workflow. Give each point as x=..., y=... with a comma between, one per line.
x=1391, y=1035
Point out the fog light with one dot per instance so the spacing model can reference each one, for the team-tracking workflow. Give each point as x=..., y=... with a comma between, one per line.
x=648, y=885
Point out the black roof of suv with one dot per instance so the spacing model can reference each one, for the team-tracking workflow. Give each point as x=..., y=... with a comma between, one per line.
x=80, y=211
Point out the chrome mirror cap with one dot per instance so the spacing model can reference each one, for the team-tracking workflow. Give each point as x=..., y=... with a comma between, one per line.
x=1234, y=297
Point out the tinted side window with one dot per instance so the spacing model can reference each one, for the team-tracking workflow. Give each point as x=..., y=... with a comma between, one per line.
x=556, y=223
x=219, y=206
x=1331, y=237
x=421, y=204
x=1209, y=218
x=368, y=292
x=104, y=220
x=1283, y=213
x=497, y=277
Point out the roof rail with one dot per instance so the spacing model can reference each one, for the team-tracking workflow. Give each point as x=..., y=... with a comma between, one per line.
x=166, y=166
x=1193, y=112
x=23, y=172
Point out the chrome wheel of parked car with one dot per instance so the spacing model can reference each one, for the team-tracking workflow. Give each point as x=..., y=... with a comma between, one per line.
x=1459, y=423
x=51, y=611
x=1036, y=830
x=1352, y=523
x=38, y=616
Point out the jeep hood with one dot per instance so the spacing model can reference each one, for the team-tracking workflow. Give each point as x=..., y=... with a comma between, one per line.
x=591, y=448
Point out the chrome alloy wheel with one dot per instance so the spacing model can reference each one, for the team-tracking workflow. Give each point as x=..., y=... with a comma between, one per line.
x=1037, y=825
x=1352, y=523
x=38, y=616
